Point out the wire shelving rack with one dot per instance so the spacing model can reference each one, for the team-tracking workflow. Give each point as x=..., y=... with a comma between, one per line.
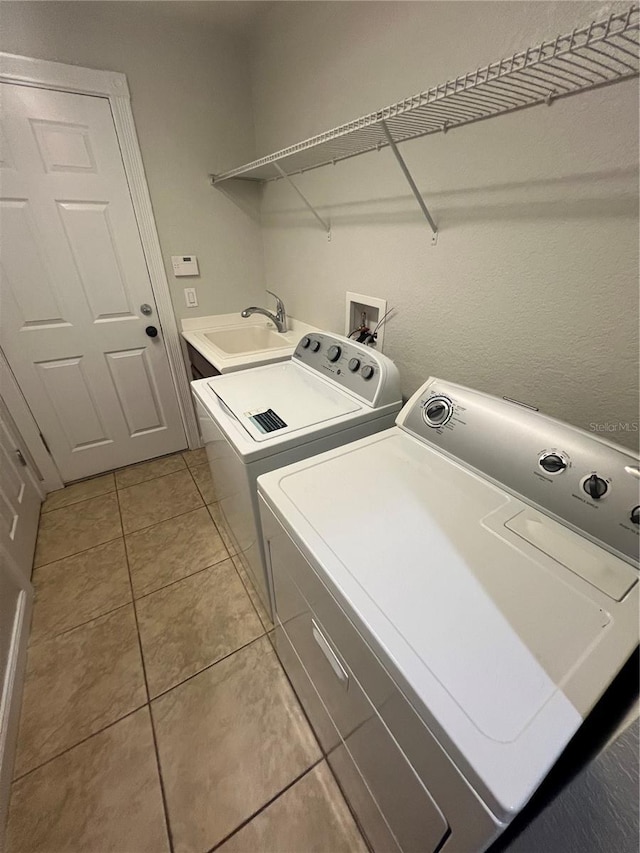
x=599, y=54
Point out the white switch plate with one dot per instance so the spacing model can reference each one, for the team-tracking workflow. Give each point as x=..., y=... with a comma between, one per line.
x=185, y=265
x=190, y=297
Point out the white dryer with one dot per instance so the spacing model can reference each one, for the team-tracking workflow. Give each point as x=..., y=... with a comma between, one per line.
x=449, y=627
x=332, y=391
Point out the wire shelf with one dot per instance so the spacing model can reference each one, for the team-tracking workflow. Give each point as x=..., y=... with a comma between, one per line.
x=601, y=53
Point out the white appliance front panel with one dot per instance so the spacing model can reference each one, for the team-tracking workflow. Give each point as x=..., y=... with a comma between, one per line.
x=235, y=473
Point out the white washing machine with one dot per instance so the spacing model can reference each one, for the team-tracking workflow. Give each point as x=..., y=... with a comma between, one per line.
x=449, y=627
x=332, y=391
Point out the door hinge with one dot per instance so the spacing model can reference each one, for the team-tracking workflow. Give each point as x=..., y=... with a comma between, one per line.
x=44, y=441
x=21, y=458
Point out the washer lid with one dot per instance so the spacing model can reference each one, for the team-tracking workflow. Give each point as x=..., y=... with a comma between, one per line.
x=280, y=399
x=480, y=628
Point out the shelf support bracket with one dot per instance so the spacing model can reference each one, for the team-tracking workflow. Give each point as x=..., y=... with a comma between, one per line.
x=324, y=224
x=410, y=181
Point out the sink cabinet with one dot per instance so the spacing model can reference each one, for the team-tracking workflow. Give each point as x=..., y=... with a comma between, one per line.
x=199, y=366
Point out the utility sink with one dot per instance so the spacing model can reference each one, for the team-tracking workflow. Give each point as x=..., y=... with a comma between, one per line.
x=230, y=342
x=247, y=339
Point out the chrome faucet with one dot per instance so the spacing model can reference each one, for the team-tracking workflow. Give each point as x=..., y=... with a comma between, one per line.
x=279, y=318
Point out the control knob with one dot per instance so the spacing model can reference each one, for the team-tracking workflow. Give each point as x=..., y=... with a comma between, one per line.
x=305, y=341
x=553, y=463
x=634, y=516
x=334, y=353
x=315, y=346
x=354, y=364
x=437, y=411
x=595, y=487
x=367, y=371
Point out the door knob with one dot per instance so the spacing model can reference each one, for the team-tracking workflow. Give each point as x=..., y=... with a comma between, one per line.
x=151, y=331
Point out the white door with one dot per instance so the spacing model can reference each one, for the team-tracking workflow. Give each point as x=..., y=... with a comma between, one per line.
x=19, y=497
x=74, y=279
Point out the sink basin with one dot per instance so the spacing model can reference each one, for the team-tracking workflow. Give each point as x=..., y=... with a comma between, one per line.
x=248, y=339
x=230, y=342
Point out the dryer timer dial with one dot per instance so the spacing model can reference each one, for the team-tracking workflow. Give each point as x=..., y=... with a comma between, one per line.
x=437, y=411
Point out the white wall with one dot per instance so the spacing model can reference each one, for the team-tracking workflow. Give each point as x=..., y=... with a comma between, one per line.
x=190, y=87
x=532, y=289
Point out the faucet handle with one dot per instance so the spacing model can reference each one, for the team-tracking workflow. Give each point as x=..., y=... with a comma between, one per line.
x=279, y=302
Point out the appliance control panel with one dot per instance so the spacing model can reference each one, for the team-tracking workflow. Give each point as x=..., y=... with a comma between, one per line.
x=353, y=366
x=583, y=480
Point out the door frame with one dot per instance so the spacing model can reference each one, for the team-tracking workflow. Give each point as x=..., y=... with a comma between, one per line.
x=113, y=86
x=12, y=682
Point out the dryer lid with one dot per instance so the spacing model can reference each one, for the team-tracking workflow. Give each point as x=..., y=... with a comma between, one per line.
x=281, y=399
x=498, y=643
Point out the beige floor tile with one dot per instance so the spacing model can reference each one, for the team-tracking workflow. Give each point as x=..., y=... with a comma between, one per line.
x=134, y=474
x=79, y=492
x=204, y=482
x=195, y=457
x=103, y=796
x=229, y=740
x=75, y=528
x=173, y=549
x=253, y=595
x=155, y=500
x=78, y=683
x=311, y=816
x=79, y=588
x=190, y=624
x=216, y=515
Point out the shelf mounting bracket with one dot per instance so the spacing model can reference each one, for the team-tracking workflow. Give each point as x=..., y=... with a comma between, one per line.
x=411, y=182
x=326, y=226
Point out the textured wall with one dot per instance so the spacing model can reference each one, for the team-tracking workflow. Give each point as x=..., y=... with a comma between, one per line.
x=532, y=289
x=190, y=89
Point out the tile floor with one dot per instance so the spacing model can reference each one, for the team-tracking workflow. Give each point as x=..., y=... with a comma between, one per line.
x=156, y=716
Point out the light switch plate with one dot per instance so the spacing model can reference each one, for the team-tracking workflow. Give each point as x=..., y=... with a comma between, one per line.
x=184, y=265
x=190, y=297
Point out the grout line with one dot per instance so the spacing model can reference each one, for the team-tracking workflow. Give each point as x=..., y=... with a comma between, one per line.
x=124, y=532
x=50, y=637
x=114, y=472
x=75, y=503
x=191, y=470
x=163, y=794
x=209, y=665
x=169, y=518
x=73, y=746
x=195, y=482
x=76, y=553
x=233, y=558
x=184, y=577
x=231, y=554
x=149, y=479
x=267, y=804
